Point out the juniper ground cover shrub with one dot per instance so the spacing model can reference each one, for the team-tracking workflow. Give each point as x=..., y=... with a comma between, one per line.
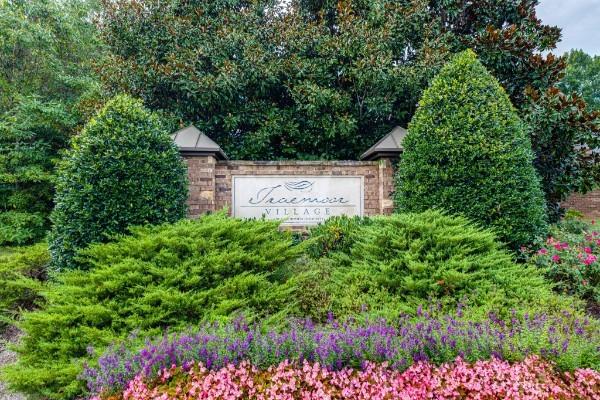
x=123, y=170
x=390, y=265
x=336, y=234
x=23, y=270
x=168, y=276
x=467, y=151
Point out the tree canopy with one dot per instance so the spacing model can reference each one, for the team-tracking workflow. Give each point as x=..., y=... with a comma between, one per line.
x=46, y=49
x=47, y=89
x=582, y=76
x=317, y=79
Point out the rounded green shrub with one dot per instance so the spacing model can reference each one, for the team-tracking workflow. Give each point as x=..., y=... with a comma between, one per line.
x=394, y=264
x=467, y=152
x=123, y=170
x=164, y=277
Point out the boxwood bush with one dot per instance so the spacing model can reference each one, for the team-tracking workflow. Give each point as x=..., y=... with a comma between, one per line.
x=467, y=152
x=123, y=170
x=168, y=276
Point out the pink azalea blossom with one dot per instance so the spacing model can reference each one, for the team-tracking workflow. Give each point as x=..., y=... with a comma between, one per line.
x=556, y=258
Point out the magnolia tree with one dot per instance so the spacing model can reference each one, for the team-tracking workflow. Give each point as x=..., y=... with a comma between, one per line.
x=327, y=79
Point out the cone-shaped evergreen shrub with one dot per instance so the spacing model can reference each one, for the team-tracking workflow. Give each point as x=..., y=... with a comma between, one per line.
x=170, y=276
x=467, y=152
x=123, y=170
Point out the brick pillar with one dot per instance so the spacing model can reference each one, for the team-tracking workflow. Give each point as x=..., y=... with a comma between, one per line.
x=201, y=175
x=386, y=186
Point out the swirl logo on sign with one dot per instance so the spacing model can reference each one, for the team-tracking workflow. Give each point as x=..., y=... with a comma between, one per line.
x=299, y=185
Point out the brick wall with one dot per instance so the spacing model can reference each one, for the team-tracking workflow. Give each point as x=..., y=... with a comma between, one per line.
x=210, y=182
x=588, y=204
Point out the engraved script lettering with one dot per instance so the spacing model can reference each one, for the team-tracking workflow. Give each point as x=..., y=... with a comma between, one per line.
x=277, y=195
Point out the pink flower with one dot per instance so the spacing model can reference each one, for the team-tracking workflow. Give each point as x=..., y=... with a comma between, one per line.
x=556, y=258
x=561, y=246
x=529, y=379
x=590, y=259
x=543, y=251
x=588, y=250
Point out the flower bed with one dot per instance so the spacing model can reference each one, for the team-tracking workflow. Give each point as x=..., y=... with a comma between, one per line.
x=570, y=258
x=570, y=342
x=493, y=379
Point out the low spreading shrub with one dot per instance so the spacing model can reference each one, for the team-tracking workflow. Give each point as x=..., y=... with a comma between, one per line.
x=335, y=235
x=494, y=379
x=173, y=275
x=214, y=268
x=431, y=336
x=22, y=274
x=570, y=258
x=390, y=265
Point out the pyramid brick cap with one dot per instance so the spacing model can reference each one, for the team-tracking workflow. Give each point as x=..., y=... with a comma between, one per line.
x=389, y=146
x=193, y=142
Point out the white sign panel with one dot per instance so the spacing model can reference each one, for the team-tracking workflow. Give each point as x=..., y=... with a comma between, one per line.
x=297, y=200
